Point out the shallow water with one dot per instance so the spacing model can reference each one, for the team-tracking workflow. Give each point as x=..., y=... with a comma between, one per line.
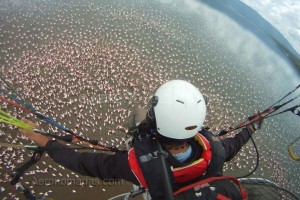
x=87, y=64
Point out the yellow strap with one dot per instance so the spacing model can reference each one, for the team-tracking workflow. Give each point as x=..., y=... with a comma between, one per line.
x=293, y=156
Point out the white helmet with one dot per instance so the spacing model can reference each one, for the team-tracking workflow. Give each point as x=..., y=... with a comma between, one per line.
x=178, y=110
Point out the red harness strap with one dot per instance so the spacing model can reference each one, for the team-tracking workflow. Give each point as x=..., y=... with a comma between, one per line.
x=135, y=168
x=208, y=180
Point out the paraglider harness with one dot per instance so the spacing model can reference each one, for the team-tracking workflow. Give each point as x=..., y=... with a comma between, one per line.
x=211, y=185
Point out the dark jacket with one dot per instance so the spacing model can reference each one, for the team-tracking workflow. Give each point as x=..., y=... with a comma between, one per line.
x=116, y=166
